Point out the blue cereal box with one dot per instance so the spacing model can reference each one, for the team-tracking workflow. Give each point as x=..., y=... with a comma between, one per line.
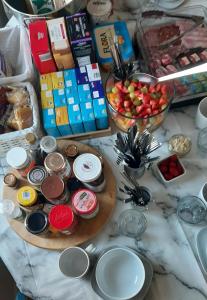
x=81, y=75
x=75, y=118
x=49, y=122
x=70, y=78
x=71, y=94
x=62, y=120
x=88, y=116
x=97, y=90
x=93, y=72
x=59, y=97
x=84, y=92
x=100, y=112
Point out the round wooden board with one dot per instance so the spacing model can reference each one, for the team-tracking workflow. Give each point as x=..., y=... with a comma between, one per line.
x=87, y=229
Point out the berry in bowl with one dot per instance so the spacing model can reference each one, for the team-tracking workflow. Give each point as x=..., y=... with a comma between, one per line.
x=133, y=102
x=170, y=169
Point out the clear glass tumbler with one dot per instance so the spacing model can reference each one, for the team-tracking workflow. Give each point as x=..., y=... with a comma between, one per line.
x=132, y=223
x=191, y=209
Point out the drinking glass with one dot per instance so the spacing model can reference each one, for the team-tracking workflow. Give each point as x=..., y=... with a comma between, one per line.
x=132, y=223
x=191, y=210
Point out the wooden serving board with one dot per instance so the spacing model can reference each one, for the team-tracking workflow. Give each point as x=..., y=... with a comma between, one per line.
x=86, y=229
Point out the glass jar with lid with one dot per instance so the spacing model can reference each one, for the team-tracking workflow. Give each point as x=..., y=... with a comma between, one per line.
x=19, y=159
x=56, y=164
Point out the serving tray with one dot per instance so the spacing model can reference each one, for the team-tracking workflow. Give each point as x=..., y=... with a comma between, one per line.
x=86, y=229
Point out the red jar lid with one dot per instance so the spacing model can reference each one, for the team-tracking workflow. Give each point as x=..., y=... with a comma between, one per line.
x=61, y=217
x=52, y=187
x=84, y=201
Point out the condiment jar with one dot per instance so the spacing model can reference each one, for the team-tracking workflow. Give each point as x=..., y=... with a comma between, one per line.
x=54, y=190
x=18, y=158
x=11, y=211
x=62, y=219
x=71, y=151
x=37, y=222
x=11, y=180
x=55, y=163
x=48, y=144
x=85, y=204
x=27, y=197
x=87, y=168
x=36, y=176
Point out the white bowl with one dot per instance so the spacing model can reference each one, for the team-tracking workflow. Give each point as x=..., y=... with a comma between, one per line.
x=120, y=274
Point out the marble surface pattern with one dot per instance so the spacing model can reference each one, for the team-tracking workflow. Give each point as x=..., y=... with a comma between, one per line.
x=168, y=243
x=177, y=274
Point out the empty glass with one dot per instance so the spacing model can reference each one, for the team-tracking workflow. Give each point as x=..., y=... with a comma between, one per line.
x=132, y=223
x=191, y=209
x=202, y=140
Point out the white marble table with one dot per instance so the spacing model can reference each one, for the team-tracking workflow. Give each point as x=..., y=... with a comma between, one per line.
x=177, y=274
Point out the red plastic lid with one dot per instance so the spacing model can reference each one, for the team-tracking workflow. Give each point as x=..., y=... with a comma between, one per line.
x=84, y=201
x=61, y=217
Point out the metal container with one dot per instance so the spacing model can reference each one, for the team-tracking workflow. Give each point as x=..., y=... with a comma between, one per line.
x=20, y=11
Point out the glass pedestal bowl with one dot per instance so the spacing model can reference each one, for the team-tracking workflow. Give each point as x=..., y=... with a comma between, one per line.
x=125, y=117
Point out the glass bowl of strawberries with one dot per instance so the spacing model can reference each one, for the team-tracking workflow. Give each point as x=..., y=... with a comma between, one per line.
x=133, y=101
x=170, y=169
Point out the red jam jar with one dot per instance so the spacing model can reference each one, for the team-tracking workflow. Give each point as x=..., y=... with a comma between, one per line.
x=85, y=204
x=62, y=219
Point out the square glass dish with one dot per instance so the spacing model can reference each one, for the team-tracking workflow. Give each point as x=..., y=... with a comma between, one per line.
x=174, y=41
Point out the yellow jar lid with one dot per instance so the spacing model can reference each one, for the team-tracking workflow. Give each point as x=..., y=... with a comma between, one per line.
x=27, y=196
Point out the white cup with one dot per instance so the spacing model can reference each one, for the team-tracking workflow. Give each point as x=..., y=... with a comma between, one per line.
x=203, y=193
x=74, y=262
x=201, y=115
x=120, y=274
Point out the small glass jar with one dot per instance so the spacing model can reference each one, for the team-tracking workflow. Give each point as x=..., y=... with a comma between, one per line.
x=37, y=223
x=85, y=204
x=55, y=163
x=54, y=190
x=87, y=168
x=36, y=176
x=12, y=211
x=19, y=159
x=27, y=197
x=11, y=180
x=48, y=144
x=71, y=151
x=62, y=219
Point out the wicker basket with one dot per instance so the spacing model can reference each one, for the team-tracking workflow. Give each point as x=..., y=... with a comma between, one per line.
x=17, y=138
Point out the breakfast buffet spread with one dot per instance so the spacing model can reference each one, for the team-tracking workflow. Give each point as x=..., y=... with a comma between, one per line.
x=91, y=75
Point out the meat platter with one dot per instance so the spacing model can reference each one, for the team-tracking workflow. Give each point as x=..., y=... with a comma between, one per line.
x=171, y=42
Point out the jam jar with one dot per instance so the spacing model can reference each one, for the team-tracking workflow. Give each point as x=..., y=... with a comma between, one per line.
x=85, y=204
x=55, y=163
x=88, y=169
x=54, y=190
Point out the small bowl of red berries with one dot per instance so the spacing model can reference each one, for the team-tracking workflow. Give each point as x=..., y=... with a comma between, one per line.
x=170, y=168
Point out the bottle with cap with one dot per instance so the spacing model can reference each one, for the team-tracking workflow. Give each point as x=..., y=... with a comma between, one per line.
x=34, y=147
x=11, y=211
x=21, y=160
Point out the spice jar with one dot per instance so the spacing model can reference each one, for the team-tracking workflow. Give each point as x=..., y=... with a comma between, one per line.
x=87, y=168
x=37, y=222
x=54, y=190
x=62, y=219
x=85, y=204
x=11, y=180
x=36, y=176
x=71, y=151
x=48, y=144
x=55, y=163
x=27, y=197
x=18, y=158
